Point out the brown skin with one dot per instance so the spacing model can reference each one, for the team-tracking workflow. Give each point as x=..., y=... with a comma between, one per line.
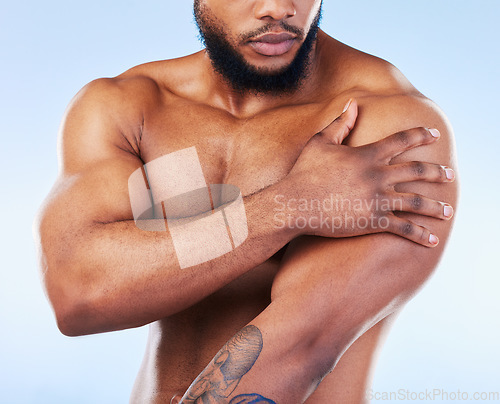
x=327, y=302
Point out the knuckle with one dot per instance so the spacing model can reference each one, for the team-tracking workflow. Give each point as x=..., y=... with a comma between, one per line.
x=416, y=202
x=403, y=138
x=424, y=132
x=424, y=236
x=406, y=229
x=418, y=168
x=439, y=209
x=374, y=175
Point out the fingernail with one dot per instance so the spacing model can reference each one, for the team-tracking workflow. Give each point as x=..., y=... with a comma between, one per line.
x=435, y=133
x=448, y=211
x=347, y=105
x=450, y=174
x=433, y=239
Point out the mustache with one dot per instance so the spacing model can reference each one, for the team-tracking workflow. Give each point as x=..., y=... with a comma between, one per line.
x=284, y=26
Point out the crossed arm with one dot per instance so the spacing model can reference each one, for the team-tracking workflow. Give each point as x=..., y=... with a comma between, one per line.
x=102, y=273
x=328, y=292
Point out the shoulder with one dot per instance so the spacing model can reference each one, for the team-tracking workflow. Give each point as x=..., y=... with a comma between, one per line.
x=347, y=69
x=170, y=77
x=387, y=100
x=388, y=104
x=108, y=114
x=103, y=118
x=137, y=89
x=381, y=115
x=112, y=106
x=104, y=113
x=114, y=95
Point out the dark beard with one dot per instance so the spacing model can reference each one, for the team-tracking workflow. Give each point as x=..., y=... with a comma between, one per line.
x=241, y=75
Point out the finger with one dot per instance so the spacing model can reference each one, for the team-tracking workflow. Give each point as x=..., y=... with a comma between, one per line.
x=400, y=142
x=415, y=203
x=340, y=128
x=418, y=171
x=411, y=231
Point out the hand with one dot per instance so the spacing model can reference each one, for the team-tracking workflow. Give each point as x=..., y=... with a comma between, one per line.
x=343, y=191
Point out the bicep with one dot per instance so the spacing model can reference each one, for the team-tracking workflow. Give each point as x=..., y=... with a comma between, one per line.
x=92, y=186
x=96, y=158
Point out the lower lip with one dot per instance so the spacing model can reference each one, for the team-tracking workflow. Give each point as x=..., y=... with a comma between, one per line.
x=272, y=49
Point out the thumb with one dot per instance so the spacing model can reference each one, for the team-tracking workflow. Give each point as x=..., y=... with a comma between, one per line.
x=340, y=128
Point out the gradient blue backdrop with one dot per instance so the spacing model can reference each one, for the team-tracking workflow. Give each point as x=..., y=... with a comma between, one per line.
x=448, y=336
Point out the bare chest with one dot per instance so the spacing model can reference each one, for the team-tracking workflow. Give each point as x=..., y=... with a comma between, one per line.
x=250, y=153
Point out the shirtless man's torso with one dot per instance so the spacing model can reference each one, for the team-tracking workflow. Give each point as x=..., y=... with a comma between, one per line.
x=116, y=125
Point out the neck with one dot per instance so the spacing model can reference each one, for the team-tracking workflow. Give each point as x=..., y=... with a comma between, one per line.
x=247, y=103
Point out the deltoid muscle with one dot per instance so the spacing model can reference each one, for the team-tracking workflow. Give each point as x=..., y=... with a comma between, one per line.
x=171, y=191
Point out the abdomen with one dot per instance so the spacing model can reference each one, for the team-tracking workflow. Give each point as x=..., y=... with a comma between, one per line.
x=180, y=346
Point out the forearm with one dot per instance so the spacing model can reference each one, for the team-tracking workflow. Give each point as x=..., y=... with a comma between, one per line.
x=327, y=294
x=111, y=276
x=265, y=362
x=291, y=346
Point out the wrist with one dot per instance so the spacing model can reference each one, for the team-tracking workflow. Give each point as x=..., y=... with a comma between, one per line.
x=287, y=216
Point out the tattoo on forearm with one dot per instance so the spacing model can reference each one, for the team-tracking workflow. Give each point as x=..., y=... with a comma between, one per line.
x=221, y=377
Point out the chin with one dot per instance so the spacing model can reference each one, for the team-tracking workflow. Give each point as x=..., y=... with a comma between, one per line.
x=271, y=65
x=271, y=70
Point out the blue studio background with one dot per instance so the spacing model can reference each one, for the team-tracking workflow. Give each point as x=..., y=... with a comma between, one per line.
x=448, y=336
